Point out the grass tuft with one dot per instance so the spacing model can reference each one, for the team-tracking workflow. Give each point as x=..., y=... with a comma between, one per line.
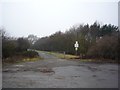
x=31, y=59
x=63, y=56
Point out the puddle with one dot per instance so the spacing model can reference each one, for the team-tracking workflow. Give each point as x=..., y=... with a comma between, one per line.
x=11, y=70
x=75, y=76
x=93, y=69
x=19, y=65
x=94, y=75
x=60, y=77
x=45, y=70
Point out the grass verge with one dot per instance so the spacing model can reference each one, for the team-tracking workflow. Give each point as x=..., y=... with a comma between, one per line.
x=63, y=56
x=27, y=56
x=19, y=59
x=74, y=57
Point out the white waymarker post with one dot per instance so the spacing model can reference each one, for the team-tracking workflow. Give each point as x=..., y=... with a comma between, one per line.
x=76, y=45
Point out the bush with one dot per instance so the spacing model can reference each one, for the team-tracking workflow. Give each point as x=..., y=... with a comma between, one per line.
x=105, y=48
x=30, y=54
x=8, y=48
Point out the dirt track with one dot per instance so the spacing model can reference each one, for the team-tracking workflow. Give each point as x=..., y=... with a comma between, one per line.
x=53, y=72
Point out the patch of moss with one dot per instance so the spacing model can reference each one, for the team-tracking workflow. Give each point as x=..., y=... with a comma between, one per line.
x=31, y=59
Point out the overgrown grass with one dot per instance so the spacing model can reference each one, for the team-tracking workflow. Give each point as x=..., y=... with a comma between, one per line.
x=63, y=56
x=26, y=56
x=31, y=59
x=74, y=57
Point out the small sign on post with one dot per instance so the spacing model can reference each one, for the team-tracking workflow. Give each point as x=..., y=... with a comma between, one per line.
x=76, y=45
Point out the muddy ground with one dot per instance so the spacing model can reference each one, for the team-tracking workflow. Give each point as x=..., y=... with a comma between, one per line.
x=52, y=72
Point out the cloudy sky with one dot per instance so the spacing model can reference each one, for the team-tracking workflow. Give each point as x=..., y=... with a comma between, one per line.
x=44, y=17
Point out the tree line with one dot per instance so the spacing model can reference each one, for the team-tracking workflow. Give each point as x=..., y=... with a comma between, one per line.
x=95, y=41
x=12, y=47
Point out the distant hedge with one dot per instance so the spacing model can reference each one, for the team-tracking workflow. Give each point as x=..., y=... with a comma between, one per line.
x=30, y=54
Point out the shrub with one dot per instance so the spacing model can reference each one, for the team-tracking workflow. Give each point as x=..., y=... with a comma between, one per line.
x=30, y=54
x=105, y=48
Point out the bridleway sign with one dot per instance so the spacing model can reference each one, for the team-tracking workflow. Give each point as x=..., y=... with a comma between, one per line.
x=76, y=45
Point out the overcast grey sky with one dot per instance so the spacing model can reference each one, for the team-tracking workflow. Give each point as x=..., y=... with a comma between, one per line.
x=44, y=17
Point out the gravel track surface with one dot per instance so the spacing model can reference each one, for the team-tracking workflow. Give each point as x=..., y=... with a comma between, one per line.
x=52, y=72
